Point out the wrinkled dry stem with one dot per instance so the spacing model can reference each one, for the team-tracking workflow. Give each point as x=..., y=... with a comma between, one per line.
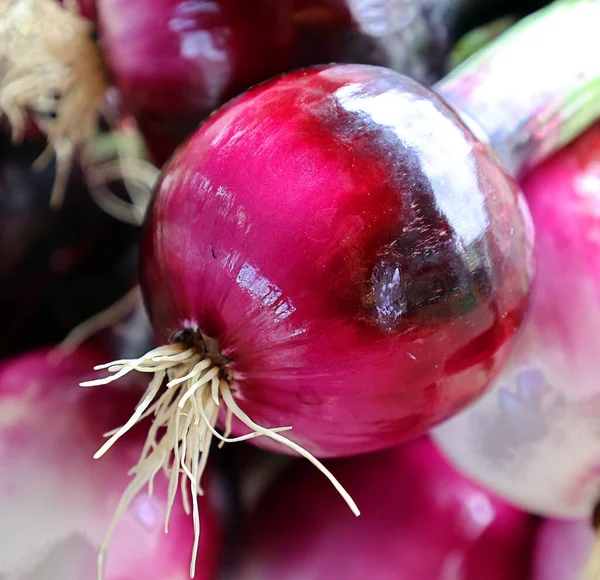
x=50, y=69
x=184, y=417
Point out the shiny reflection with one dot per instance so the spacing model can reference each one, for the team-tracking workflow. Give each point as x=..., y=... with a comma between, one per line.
x=440, y=148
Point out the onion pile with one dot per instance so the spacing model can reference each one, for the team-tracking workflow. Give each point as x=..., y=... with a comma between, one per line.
x=360, y=276
x=335, y=262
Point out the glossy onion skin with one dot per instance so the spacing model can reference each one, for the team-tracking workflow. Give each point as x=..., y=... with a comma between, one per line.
x=535, y=437
x=176, y=61
x=420, y=520
x=361, y=258
x=57, y=501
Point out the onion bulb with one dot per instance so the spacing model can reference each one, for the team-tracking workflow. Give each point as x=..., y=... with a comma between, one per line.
x=354, y=278
x=421, y=521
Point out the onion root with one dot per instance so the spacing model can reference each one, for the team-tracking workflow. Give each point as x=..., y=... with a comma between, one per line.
x=183, y=426
x=50, y=69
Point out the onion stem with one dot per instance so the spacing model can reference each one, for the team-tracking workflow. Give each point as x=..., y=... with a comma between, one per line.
x=536, y=87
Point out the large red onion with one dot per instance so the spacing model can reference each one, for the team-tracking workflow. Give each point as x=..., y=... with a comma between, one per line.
x=385, y=308
x=421, y=521
x=332, y=266
x=57, y=501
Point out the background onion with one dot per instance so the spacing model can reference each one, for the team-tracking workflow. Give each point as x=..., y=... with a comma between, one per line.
x=561, y=549
x=421, y=520
x=534, y=438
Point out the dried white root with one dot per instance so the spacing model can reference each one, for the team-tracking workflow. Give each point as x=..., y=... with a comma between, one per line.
x=109, y=317
x=51, y=69
x=117, y=156
x=185, y=414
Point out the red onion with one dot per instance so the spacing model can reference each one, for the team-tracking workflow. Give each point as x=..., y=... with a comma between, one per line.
x=561, y=549
x=358, y=323
x=175, y=61
x=53, y=264
x=335, y=250
x=57, y=502
x=421, y=521
x=365, y=323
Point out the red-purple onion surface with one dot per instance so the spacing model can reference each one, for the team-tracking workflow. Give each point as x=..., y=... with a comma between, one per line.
x=365, y=269
x=421, y=521
x=561, y=549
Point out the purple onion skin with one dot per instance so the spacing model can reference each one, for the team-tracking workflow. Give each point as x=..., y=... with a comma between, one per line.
x=175, y=61
x=420, y=520
x=57, y=268
x=366, y=280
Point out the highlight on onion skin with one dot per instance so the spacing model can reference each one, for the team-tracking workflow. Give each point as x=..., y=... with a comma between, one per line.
x=421, y=520
x=57, y=501
x=561, y=549
x=53, y=264
x=534, y=437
